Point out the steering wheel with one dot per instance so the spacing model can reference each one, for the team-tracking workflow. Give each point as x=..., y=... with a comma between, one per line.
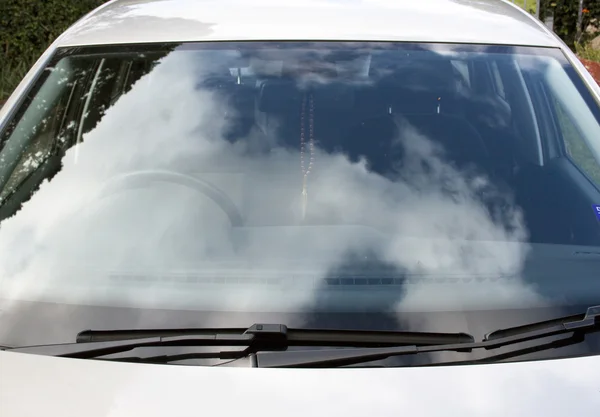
x=141, y=179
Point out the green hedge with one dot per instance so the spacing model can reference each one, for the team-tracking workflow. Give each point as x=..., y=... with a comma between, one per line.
x=28, y=26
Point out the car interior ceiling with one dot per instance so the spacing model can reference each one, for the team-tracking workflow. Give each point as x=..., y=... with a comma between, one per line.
x=476, y=128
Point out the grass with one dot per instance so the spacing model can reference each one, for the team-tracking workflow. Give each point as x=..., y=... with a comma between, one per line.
x=586, y=52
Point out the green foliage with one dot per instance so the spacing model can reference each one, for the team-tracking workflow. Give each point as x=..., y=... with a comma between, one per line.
x=11, y=73
x=587, y=52
x=531, y=5
x=29, y=26
x=566, y=14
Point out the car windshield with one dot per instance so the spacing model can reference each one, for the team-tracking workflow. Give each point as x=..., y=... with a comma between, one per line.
x=423, y=187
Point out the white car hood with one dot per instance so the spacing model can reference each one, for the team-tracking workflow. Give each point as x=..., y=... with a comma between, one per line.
x=33, y=385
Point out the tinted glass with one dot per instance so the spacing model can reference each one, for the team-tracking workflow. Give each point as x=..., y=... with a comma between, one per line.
x=399, y=186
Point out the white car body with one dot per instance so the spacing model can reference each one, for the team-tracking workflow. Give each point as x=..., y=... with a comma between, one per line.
x=32, y=385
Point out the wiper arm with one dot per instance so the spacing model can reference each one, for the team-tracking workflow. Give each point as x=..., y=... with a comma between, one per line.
x=259, y=337
x=500, y=338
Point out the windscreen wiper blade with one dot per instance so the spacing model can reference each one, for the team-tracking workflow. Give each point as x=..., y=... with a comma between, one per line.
x=344, y=357
x=295, y=337
x=259, y=337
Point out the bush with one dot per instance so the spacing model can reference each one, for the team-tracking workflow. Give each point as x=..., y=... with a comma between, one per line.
x=565, y=18
x=27, y=27
x=11, y=73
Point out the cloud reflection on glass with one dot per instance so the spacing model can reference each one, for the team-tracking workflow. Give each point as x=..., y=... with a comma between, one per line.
x=167, y=244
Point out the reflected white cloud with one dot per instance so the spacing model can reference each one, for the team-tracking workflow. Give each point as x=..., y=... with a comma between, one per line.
x=168, y=245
